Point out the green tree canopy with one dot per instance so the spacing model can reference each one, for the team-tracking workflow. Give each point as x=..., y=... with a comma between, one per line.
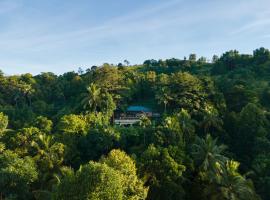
x=133, y=187
x=16, y=176
x=93, y=181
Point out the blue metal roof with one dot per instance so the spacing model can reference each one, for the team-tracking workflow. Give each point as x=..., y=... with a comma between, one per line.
x=138, y=109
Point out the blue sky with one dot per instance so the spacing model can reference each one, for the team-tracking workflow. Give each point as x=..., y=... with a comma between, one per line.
x=60, y=36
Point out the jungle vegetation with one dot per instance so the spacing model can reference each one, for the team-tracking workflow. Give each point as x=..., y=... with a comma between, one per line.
x=211, y=142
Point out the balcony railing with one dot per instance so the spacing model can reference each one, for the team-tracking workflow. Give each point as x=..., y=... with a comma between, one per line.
x=126, y=121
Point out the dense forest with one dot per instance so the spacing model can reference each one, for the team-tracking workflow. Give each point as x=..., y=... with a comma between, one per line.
x=211, y=141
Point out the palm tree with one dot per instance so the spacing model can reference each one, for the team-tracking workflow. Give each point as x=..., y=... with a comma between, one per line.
x=234, y=186
x=221, y=179
x=144, y=122
x=16, y=97
x=43, y=147
x=211, y=121
x=92, y=98
x=208, y=157
x=49, y=156
x=27, y=91
x=186, y=124
x=163, y=98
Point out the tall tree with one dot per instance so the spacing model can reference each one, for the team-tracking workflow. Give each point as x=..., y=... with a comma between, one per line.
x=17, y=174
x=91, y=182
x=163, y=97
x=144, y=122
x=49, y=158
x=211, y=121
x=154, y=162
x=133, y=187
x=91, y=99
x=3, y=123
x=208, y=157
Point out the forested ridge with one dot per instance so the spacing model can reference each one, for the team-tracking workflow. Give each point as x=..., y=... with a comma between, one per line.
x=211, y=141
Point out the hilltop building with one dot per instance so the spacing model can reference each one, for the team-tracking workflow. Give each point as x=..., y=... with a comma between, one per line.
x=133, y=115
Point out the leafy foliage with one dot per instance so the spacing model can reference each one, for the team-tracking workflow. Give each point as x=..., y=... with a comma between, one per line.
x=207, y=137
